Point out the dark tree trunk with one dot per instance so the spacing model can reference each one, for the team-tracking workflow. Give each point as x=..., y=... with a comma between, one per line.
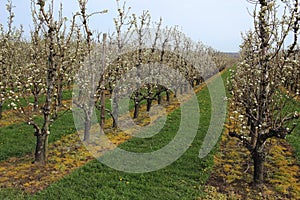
x=159, y=98
x=136, y=110
x=110, y=88
x=114, y=124
x=36, y=102
x=1, y=109
x=168, y=95
x=258, y=162
x=35, y=93
x=115, y=110
x=69, y=83
x=41, y=148
x=60, y=93
x=149, y=103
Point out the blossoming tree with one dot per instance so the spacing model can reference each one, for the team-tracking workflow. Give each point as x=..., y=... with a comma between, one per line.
x=257, y=101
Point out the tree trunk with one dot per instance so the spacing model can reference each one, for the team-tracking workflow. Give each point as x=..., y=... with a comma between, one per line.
x=102, y=97
x=88, y=119
x=110, y=88
x=41, y=149
x=258, y=162
x=87, y=128
x=114, y=124
x=1, y=109
x=36, y=102
x=181, y=89
x=149, y=103
x=102, y=111
x=186, y=89
x=115, y=110
x=168, y=95
x=136, y=110
x=60, y=93
x=159, y=98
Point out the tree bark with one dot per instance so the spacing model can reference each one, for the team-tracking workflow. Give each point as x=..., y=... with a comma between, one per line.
x=36, y=102
x=115, y=110
x=149, y=103
x=159, y=98
x=87, y=128
x=1, y=109
x=168, y=95
x=102, y=97
x=35, y=93
x=102, y=111
x=41, y=150
x=136, y=110
x=60, y=92
x=186, y=88
x=42, y=134
x=258, y=162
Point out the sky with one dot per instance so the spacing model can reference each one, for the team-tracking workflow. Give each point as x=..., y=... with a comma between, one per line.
x=216, y=23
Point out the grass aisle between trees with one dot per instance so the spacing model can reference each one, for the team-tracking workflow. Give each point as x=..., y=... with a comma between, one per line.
x=17, y=138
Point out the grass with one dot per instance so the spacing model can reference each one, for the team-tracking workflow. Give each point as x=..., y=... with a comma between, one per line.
x=12, y=194
x=294, y=138
x=18, y=139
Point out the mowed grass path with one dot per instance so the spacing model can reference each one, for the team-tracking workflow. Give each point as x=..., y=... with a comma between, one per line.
x=18, y=139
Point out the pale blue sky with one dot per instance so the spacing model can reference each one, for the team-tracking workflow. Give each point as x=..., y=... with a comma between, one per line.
x=216, y=23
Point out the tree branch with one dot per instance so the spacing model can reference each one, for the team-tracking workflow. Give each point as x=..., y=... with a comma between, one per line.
x=243, y=139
